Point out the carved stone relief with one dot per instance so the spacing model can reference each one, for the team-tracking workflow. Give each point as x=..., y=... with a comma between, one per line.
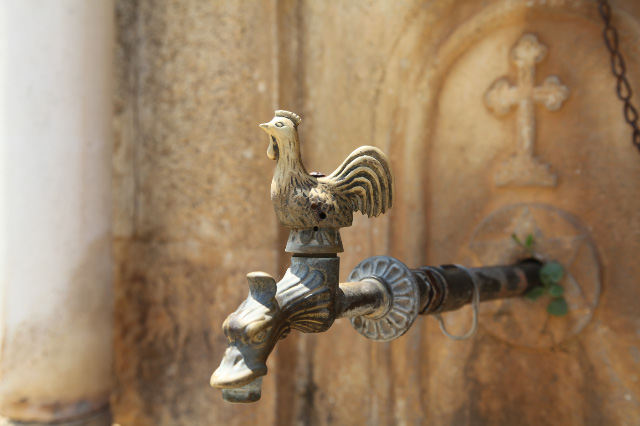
x=558, y=237
x=523, y=168
x=438, y=121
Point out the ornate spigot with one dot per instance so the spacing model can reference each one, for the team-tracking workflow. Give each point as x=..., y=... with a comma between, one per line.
x=382, y=297
x=303, y=300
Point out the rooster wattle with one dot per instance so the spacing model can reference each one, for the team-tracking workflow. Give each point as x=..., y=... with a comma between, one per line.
x=363, y=182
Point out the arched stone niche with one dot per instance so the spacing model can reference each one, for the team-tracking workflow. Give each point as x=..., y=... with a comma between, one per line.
x=446, y=146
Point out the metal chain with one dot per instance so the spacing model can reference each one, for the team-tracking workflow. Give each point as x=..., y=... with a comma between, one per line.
x=619, y=70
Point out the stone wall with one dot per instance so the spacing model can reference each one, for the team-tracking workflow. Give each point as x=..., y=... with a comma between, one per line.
x=193, y=216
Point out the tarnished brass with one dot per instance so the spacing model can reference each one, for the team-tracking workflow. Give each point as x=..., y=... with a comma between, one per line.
x=383, y=296
x=315, y=206
x=302, y=300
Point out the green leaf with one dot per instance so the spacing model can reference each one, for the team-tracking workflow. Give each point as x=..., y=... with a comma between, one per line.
x=545, y=281
x=551, y=273
x=556, y=290
x=529, y=241
x=534, y=293
x=558, y=307
x=515, y=238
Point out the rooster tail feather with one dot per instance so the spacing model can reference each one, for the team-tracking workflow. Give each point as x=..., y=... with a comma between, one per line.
x=365, y=179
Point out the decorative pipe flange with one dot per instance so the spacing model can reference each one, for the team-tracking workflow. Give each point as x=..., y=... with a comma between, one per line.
x=404, y=303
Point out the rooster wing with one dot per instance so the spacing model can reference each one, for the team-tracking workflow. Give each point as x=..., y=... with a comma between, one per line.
x=364, y=180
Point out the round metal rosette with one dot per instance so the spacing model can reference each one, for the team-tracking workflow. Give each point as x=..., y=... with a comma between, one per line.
x=405, y=298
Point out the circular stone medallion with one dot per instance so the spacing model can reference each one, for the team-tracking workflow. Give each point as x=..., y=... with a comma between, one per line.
x=557, y=236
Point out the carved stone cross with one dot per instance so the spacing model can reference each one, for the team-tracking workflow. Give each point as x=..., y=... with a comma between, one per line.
x=523, y=168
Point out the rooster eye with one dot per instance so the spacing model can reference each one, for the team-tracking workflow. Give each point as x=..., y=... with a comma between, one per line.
x=260, y=336
x=279, y=124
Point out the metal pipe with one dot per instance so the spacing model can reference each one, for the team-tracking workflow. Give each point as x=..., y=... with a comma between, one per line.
x=382, y=298
x=441, y=288
x=369, y=297
x=386, y=312
x=450, y=287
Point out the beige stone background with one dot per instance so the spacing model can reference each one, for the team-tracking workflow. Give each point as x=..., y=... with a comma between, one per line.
x=192, y=213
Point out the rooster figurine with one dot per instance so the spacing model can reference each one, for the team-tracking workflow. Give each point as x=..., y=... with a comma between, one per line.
x=304, y=201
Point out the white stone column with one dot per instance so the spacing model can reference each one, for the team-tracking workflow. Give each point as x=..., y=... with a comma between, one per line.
x=55, y=218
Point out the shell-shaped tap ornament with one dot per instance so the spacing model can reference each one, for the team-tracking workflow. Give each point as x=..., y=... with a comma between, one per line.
x=316, y=206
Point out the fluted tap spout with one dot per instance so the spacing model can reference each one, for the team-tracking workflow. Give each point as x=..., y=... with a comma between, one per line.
x=303, y=300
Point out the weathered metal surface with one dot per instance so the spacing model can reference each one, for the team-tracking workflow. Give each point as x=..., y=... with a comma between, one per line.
x=619, y=70
x=251, y=392
x=302, y=300
x=369, y=297
x=383, y=298
x=389, y=297
x=404, y=294
x=315, y=206
x=431, y=290
x=314, y=240
x=455, y=284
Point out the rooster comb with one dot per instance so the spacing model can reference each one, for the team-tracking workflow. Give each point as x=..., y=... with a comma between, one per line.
x=291, y=116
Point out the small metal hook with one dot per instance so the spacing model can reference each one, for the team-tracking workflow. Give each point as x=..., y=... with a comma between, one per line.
x=474, y=306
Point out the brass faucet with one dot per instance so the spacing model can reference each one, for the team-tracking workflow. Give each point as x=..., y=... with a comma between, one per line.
x=382, y=297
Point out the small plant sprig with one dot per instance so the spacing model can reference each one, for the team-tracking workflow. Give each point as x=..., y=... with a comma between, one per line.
x=551, y=275
x=528, y=243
